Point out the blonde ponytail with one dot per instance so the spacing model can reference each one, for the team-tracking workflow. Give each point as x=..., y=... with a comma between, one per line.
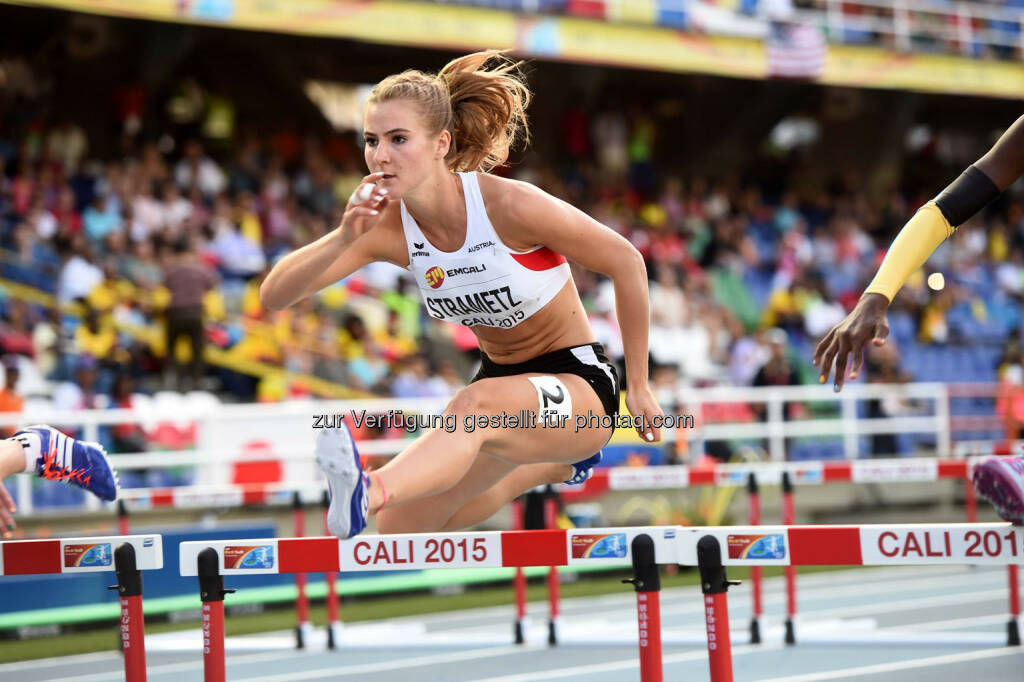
x=483, y=109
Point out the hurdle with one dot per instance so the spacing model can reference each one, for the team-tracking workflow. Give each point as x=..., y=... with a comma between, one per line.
x=711, y=549
x=788, y=475
x=127, y=555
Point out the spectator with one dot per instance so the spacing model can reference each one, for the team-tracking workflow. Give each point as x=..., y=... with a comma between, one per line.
x=99, y=221
x=777, y=371
x=883, y=367
x=197, y=169
x=15, y=330
x=77, y=275
x=188, y=281
x=81, y=393
x=10, y=400
x=95, y=336
x=127, y=437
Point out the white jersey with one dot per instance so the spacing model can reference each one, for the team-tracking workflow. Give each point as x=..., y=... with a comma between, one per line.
x=483, y=282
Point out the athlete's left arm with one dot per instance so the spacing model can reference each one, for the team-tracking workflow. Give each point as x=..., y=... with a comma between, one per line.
x=539, y=218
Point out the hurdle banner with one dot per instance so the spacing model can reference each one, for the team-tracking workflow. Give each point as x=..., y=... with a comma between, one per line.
x=864, y=545
x=77, y=555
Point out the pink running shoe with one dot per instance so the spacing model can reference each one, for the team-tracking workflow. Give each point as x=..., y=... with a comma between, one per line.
x=1000, y=480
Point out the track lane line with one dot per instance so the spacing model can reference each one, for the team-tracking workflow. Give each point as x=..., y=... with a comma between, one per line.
x=912, y=664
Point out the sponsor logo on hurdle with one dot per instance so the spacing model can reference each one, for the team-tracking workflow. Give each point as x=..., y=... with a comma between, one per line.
x=770, y=474
x=147, y=542
x=771, y=546
x=249, y=557
x=88, y=556
x=610, y=546
x=897, y=545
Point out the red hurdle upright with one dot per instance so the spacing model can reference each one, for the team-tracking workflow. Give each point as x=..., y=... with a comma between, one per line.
x=755, y=571
x=551, y=523
x=302, y=627
x=519, y=582
x=211, y=593
x=788, y=519
x=714, y=585
x=333, y=603
x=647, y=582
x=133, y=624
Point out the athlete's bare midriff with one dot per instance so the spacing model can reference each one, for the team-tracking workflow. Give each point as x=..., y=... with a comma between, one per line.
x=562, y=323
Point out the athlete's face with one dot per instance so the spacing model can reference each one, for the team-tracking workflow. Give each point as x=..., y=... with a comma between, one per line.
x=399, y=144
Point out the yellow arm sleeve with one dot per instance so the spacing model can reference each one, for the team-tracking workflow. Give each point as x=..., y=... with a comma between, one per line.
x=913, y=245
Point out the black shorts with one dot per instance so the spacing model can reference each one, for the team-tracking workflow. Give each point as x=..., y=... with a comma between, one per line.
x=587, y=362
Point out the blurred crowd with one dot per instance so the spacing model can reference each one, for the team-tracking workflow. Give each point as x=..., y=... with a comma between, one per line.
x=123, y=274
x=979, y=29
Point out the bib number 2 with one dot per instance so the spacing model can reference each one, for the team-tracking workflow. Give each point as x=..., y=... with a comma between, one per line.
x=554, y=402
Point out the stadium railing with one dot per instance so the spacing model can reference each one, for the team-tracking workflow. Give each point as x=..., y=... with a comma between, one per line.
x=231, y=436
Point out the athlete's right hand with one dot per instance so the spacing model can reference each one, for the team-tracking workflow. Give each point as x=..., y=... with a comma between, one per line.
x=866, y=322
x=364, y=208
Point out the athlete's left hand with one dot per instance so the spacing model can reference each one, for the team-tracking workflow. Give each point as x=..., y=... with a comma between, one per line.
x=641, y=403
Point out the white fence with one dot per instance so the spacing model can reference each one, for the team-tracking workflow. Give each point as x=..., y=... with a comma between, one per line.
x=227, y=435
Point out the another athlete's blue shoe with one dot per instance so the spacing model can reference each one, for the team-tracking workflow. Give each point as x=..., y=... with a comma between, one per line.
x=1000, y=480
x=581, y=471
x=62, y=458
x=349, y=485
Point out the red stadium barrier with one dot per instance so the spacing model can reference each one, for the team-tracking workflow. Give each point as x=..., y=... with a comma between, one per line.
x=126, y=555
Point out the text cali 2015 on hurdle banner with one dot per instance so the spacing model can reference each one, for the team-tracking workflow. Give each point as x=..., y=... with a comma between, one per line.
x=998, y=543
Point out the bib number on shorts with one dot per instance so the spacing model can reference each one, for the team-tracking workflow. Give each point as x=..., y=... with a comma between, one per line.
x=554, y=401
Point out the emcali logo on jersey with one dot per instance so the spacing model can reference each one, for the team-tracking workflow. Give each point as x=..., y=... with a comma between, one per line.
x=434, y=277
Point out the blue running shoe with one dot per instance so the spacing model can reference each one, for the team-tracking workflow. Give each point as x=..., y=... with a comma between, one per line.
x=581, y=471
x=62, y=458
x=1000, y=480
x=349, y=485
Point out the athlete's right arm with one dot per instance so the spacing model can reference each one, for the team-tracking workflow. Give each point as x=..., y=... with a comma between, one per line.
x=930, y=226
x=337, y=254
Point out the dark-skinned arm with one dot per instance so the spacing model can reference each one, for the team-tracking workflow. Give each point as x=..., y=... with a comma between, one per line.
x=976, y=187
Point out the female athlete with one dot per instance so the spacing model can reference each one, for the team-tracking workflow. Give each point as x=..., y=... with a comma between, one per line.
x=489, y=253
x=999, y=480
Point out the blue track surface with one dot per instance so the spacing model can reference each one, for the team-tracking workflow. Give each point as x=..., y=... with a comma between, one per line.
x=898, y=625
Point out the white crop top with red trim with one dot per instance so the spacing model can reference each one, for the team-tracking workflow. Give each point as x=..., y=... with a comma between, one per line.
x=484, y=282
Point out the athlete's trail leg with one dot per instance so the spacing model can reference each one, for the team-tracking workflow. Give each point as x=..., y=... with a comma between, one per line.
x=524, y=478
x=439, y=460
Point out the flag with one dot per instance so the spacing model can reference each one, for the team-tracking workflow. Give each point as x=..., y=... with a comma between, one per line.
x=795, y=51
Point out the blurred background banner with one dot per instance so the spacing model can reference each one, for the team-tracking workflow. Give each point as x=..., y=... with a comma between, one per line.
x=829, y=41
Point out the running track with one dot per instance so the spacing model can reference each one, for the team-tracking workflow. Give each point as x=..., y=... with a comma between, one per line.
x=941, y=624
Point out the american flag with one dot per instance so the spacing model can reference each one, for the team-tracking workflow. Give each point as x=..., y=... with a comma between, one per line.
x=795, y=51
